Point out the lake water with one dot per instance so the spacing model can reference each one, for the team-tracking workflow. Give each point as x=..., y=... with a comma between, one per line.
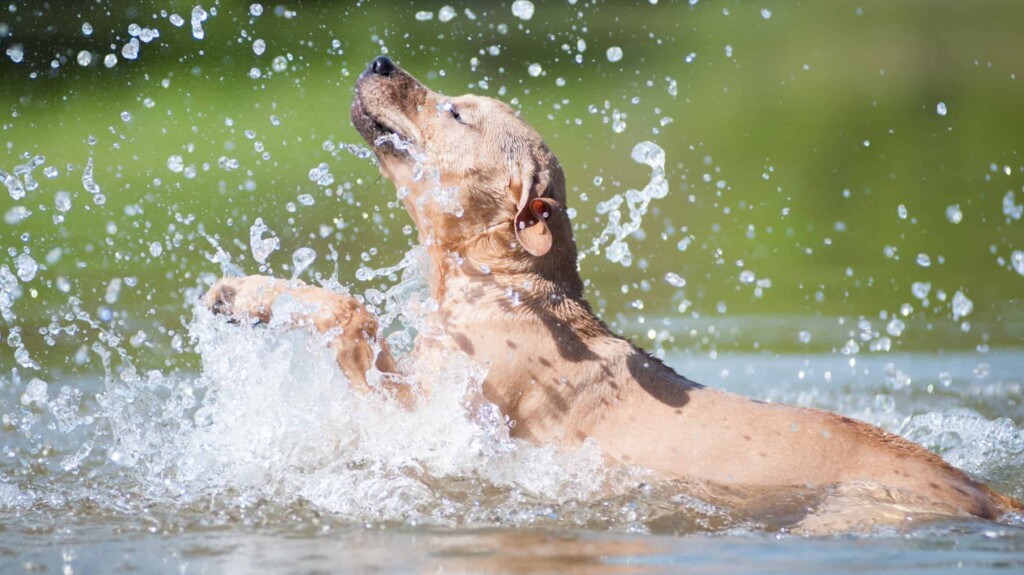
x=157, y=495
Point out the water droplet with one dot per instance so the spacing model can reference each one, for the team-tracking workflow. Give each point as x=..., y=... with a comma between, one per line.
x=62, y=201
x=1011, y=209
x=895, y=327
x=176, y=163
x=424, y=15
x=766, y=13
x=35, y=392
x=961, y=305
x=26, y=267
x=255, y=73
x=261, y=248
x=535, y=69
x=921, y=289
x=198, y=17
x=148, y=34
x=110, y=60
x=446, y=14
x=650, y=154
x=302, y=259
x=177, y=20
x=87, y=29
x=901, y=211
x=279, y=64
x=155, y=249
x=126, y=116
x=953, y=214
x=84, y=58
x=88, y=182
x=618, y=121
x=675, y=280
x=940, y=108
x=256, y=9
x=923, y=260
x=16, y=54
x=747, y=276
x=614, y=54
x=522, y=9
x=14, y=186
x=1017, y=261
x=259, y=47
x=16, y=215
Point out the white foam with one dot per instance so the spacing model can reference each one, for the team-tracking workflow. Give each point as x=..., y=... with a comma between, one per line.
x=272, y=417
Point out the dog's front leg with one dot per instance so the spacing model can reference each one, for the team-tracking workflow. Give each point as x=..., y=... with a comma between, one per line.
x=352, y=331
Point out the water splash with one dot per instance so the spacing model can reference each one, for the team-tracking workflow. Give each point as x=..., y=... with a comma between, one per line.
x=198, y=17
x=301, y=260
x=14, y=186
x=262, y=248
x=616, y=232
x=271, y=417
x=446, y=197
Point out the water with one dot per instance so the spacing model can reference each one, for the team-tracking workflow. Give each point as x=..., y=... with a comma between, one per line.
x=344, y=549
x=266, y=462
x=140, y=433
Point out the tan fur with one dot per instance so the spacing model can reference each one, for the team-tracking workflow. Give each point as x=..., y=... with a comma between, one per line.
x=554, y=367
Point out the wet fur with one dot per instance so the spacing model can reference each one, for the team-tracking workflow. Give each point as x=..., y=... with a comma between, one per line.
x=555, y=368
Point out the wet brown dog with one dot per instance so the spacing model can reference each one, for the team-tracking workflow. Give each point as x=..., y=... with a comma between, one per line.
x=504, y=275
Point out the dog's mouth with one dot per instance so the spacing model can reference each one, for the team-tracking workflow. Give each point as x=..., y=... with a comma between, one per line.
x=368, y=126
x=383, y=136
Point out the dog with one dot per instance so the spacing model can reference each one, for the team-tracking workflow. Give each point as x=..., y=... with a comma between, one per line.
x=503, y=274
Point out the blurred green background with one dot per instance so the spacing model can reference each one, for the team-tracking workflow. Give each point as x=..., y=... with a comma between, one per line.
x=793, y=133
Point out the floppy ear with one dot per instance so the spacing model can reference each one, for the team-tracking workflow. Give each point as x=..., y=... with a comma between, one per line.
x=532, y=227
x=530, y=223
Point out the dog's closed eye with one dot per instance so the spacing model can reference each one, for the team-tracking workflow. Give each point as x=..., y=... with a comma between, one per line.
x=456, y=115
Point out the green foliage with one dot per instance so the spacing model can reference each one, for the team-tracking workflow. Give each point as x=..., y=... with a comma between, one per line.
x=793, y=140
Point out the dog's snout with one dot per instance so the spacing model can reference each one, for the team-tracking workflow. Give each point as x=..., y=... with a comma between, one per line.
x=382, y=66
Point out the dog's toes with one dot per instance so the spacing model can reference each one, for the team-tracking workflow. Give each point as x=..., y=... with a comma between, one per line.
x=224, y=299
x=241, y=300
x=221, y=298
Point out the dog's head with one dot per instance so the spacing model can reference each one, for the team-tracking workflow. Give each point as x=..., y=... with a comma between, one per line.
x=476, y=178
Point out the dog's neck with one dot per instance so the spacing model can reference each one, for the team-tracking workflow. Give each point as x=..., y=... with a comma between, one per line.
x=539, y=337
x=496, y=291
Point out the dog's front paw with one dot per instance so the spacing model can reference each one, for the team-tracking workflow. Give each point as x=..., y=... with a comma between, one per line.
x=247, y=298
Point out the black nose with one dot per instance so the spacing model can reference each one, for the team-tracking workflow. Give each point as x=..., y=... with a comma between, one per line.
x=382, y=66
